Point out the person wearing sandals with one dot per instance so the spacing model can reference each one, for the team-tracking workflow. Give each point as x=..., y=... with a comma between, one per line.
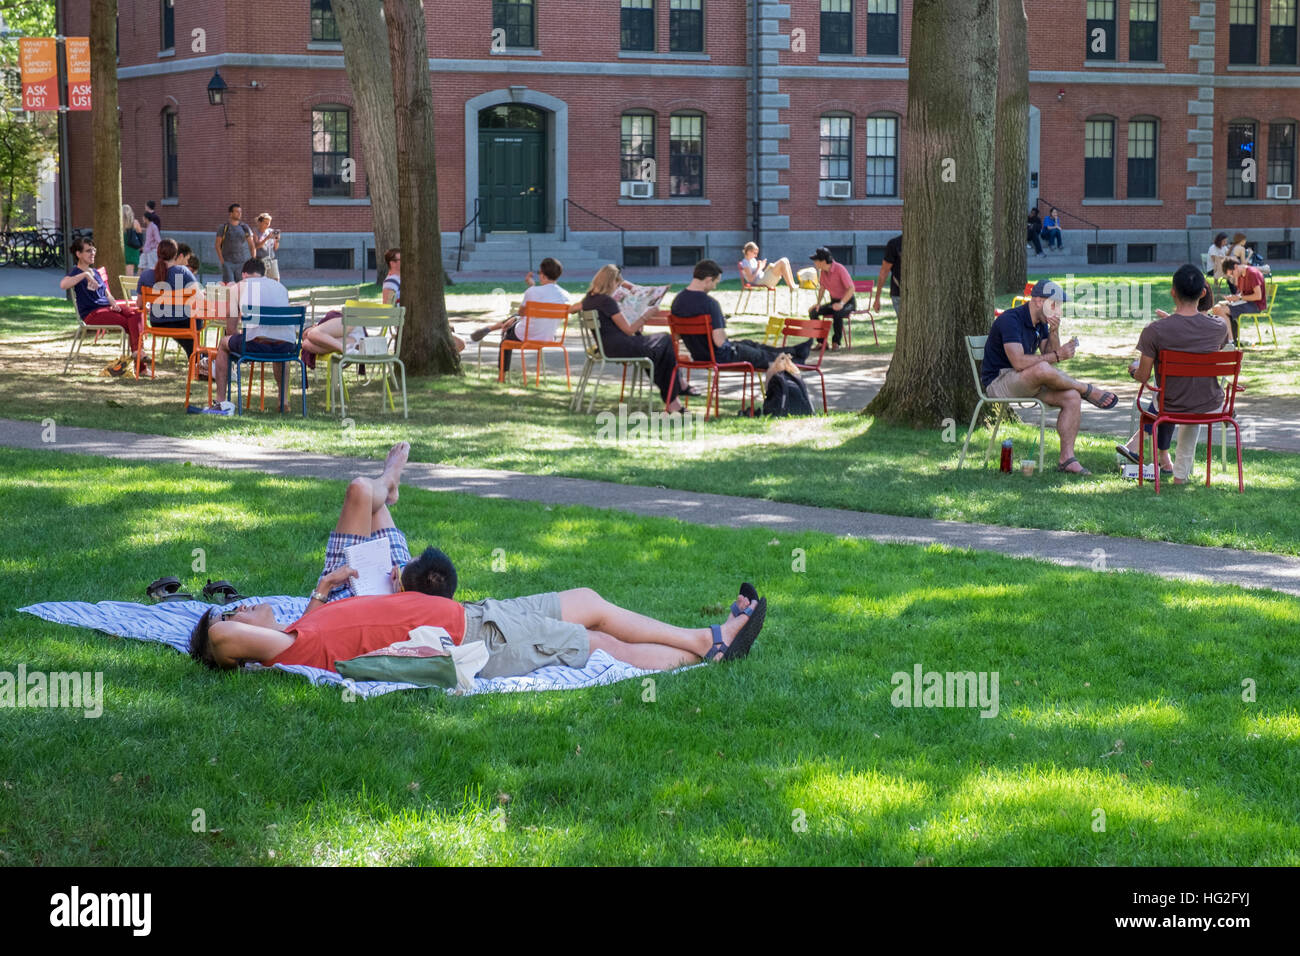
x=1020, y=358
x=1186, y=329
x=521, y=634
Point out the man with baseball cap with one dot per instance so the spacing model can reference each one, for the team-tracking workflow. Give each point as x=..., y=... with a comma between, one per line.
x=833, y=280
x=1020, y=357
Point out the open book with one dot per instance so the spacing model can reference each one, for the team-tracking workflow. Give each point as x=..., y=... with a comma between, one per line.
x=638, y=300
x=373, y=563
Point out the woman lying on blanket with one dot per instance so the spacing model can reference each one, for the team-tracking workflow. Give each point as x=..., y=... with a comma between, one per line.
x=521, y=634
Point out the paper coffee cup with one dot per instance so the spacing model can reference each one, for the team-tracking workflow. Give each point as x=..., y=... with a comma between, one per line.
x=1027, y=466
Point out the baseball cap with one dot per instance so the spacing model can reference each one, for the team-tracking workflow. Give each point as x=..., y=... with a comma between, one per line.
x=823, y=254
x=1047, y=289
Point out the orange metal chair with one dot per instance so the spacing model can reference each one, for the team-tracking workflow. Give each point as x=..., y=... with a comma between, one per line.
x=747, y=291
x=817, y=329
x=528, y=312
x=164, y=304
x=1194, y=365
x=702, y=325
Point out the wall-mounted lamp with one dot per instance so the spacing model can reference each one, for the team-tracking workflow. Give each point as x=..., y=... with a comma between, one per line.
x=1060, y=94
x=218, y=90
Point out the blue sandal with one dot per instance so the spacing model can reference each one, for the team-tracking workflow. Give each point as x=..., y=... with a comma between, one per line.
x=746, y=590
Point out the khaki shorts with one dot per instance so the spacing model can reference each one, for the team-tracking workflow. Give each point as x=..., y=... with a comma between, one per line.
x=525, y=633
x=1009, y=384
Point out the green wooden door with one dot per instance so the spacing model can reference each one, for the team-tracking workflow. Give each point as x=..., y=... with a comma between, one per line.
x=512, y=179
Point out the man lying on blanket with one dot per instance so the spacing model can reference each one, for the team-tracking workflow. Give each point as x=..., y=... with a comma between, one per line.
x=521, y=634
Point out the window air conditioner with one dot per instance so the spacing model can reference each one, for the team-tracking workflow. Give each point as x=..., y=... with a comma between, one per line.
x=1280, y=192
x=638, y=189
x=837, y=189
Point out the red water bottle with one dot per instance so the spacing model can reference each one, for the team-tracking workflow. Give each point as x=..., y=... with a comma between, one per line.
x=1006, y=456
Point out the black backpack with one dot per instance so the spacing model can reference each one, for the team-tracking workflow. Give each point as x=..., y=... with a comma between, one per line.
x=786, y=395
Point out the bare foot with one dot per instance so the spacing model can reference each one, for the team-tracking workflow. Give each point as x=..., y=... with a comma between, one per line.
x=393, y=466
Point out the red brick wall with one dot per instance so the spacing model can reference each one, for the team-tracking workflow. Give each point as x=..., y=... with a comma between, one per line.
x=263, y=161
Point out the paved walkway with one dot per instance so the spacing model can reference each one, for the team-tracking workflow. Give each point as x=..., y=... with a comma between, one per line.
x=1072, y=549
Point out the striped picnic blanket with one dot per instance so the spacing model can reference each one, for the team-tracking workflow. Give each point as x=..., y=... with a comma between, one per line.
x=171, y=622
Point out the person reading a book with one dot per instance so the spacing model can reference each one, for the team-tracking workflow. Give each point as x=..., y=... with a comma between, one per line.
x=521, y=634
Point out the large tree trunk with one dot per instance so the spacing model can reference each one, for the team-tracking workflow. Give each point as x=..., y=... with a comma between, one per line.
x=426, y=345
x=1011, y=168
x=365, y=55
x=106, y=144
x=947, y=212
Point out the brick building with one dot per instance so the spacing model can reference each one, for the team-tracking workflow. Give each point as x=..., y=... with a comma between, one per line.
x=575, y=119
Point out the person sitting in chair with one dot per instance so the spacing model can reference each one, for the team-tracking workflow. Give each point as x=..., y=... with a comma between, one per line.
x=1186, y=329
x=760, y=272
x=695, y=300
x=1020, y=357
x=1249, y=297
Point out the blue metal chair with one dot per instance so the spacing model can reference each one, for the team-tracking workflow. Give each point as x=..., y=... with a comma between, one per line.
x=295, y=316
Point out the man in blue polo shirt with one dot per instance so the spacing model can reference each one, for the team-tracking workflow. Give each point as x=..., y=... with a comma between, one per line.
x=1020, y=359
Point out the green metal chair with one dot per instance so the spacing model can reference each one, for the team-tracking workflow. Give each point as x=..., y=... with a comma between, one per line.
x=975, y=352
x=594, y=348
x=385, y=319
x=323, y=300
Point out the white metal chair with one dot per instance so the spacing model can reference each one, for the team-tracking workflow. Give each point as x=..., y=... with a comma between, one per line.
x=594, y=348
x=975, y=352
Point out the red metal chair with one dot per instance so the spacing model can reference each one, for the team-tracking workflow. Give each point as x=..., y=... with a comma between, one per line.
x=868, y=288
x=1021, y=299
x=817, y=329
x=536, y=310
x=702, y=326
x=1172, y=363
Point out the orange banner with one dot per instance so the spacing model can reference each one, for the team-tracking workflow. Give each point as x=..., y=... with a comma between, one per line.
x=77, y=50
x=40, y=75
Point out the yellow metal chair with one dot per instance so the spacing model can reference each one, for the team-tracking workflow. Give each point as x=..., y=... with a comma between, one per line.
x=1270, y=297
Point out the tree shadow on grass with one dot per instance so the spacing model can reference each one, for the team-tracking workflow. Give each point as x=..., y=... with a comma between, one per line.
x=713, y=768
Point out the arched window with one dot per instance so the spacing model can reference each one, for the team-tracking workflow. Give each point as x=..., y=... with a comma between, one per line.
x=882, y=155
x=171, y=154
x=686, y=154
x=1099, y=158
x=836, y=147
x=1281, y=156
x=637, y=147
x=1242, y=159
x=331, y=146
x=1142, y=155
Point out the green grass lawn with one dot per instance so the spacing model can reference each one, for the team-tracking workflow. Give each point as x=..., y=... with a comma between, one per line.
x=1125, y=698
x=844, y=460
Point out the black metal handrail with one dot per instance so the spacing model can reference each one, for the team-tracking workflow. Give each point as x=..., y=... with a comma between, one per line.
x=622, y=233
x=1096, y=229
x=460, y=243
